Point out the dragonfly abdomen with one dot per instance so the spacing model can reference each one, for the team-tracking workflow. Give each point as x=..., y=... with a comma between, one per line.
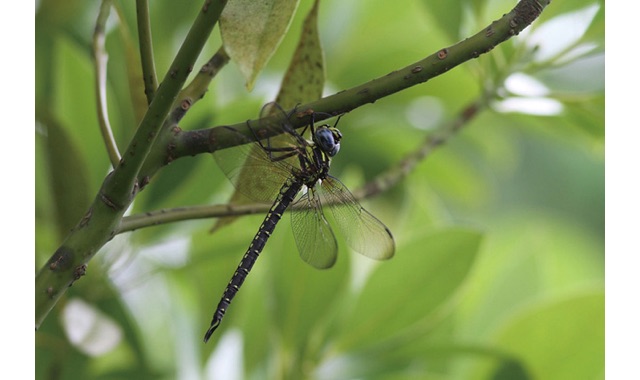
x=287, y=194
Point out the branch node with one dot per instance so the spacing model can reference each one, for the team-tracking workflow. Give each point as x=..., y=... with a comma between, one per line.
x=61, y=260
x=107, y=201
x=80, y=271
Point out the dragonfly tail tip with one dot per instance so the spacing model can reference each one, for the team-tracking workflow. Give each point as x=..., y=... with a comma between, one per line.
x=209, y=332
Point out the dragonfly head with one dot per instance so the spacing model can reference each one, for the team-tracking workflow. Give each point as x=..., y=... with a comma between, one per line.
x=328, y=139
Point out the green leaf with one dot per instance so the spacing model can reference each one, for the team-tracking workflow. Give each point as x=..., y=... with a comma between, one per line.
x=304, y=297
x=529, y=255
x=252, y=30
x=71, y=193
x=560, y=338
x=447, y=15
x=595, y=33
x=303, y=82
x=513, y=164
x=409, y=288
x=588, y=116
x=450, y=16
x=304, y=79
x=63, y=148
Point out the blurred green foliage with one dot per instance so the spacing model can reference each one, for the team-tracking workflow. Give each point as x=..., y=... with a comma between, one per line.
x=499, y=268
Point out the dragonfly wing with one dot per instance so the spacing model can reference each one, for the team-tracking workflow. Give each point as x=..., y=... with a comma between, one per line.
x=363, y=232
x=252, y=173
x=258, y=169
x=316, y=242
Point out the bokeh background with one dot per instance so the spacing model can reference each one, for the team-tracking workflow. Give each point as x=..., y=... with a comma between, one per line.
x=499, y=267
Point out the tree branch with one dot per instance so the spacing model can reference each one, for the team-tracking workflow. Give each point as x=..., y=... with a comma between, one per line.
x=190, y=143
x=195, y=90
x=178, y=214
x=379, y=184
x=191, y=94
x=101, y=221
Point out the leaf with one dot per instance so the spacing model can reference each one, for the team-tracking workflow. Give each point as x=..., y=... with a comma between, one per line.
x=588, y=116
x=64, y=154
x=560, y=338
x=556, y=30
x=448, y=15
x=304, y=296
x=252, y=30
x=71, y=193
x=595, y=33
x=409, y=288
x=304, y=79
x=303, y=82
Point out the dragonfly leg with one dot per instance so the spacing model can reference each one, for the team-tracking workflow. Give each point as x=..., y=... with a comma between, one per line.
x=286, y=151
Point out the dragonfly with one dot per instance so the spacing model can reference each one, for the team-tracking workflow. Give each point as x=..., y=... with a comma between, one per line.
x=290, y=170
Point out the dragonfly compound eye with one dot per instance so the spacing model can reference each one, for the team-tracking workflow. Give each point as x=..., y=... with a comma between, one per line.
x=327, y=141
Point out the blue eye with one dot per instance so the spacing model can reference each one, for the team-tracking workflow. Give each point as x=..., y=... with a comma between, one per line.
x=328, y=141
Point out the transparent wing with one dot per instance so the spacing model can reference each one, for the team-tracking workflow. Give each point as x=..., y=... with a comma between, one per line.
x=251, y=171
x=258, y=169
x=315, y=240
x=363, y=232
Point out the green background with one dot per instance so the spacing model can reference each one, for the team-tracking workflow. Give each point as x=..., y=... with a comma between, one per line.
x=499, y=266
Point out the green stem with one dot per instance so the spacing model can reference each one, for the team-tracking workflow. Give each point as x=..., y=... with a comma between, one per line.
x=195, y=90
x=131, y=53
x=190, y=143
x=101, y=221
x=380, y=184
x=100, y=62
x=146, y=49
x=191, y=94
x=156, y=218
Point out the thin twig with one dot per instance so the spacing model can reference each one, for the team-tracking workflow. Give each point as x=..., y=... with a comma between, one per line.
x=190, y=143
x=146, y=49
x=191, y=94
x=393, y=175
x=379, y=184
x=100, y=222
x=100, y=64
x=195, y=90
x=132, y=63
x=178, y=214
x=102, y=219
